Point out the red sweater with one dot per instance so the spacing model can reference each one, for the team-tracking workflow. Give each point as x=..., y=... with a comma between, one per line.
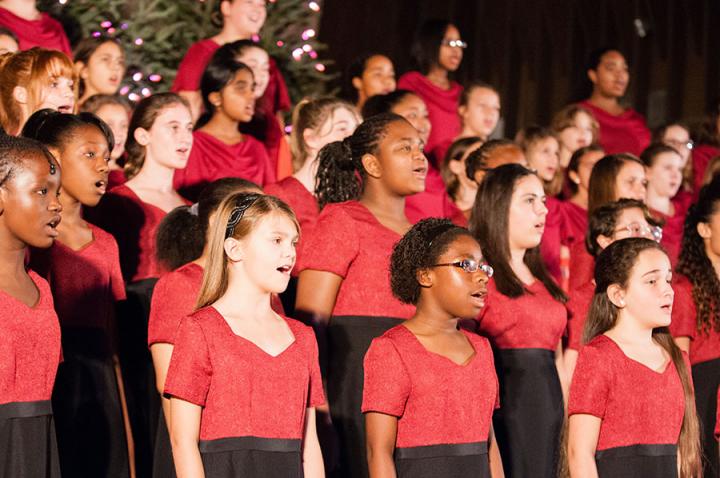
x=45, y=32
x=624, y=133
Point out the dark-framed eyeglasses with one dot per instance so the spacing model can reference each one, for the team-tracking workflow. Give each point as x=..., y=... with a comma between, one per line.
x=469, y=266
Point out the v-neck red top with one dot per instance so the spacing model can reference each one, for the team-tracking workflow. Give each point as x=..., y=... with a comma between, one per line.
x=436, y=400
x=705, y=344
x=244, y=391
x=637, y=405
x=30, y=351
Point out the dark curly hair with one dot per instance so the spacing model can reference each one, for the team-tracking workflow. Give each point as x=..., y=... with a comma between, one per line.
x=694, y=262
x=419, y=249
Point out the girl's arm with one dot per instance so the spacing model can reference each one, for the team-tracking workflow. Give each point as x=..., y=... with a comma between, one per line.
x=381, y=432
x=570, y=360
x=316, y=294
x=583, y=432
x=184, y=436
x=496, y=466
x=313, y=466
x=161, y=354
x=562, y=373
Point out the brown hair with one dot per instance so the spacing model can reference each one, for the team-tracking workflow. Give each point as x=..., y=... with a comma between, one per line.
x=603, y=220
x=565, y=118
x=96, y=102
x=85, y=49
x=215, y=276
x=312, y=114
x=601, y=189
x=32, y=69
x=470, y=87
x=614, y=266
x=455, y=152
x=574, y=164
x=525, y=138
x=145, y=114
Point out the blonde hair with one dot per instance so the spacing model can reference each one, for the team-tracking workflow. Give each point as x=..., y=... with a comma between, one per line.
x=256, y=207
x=311, y=114
x=32, y=69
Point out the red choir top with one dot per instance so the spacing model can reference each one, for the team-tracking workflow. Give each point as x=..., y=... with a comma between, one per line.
x=702, y=154
x=578, y=306
x=30, y=352
x=672, y=231
x=574, y=223
x=442, y=106
x=45, y=32
x=244, y=391
x=174, y=297
x=116, y=178
x=582, y=265
x=350, y=242
x=705, y=344
x=532, y=321
x=85, y=283
x=429, y=393
x=637, y=405
x=550, y=244
x=211, y=159
x=433, y=202
x=624, y=133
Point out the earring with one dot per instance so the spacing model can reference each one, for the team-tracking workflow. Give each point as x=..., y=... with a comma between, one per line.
x=622, y=303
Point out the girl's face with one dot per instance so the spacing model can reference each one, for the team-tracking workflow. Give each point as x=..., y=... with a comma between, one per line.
x=169, y=139
x=117, y=119
x=630, y=222
x=450, y=57
x=710, y=233
x=413, y=109
x=84, y=160
x=460, y=293
x=378, y=77
x=104, y=70
x=526, y=217
x=341, y=124
x=665, y=175
x=631, y=182
x=58, y=95
x=29, y=202
x=246, y=16
x=679, y=138
x=259, y=62
x=482, y=112
x=585, y=167
x=237, y=98
x=8, y=44
x=611, y=76
x=402, y=164
x=542, y=155
x=578, y=135
x=648, y=297
x=458, y=168
x=268, y=252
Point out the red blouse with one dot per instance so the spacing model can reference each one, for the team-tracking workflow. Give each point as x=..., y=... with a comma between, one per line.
x=624, y=133
x=299, y=199
x=582, y=265
x=442, y=106
x=173, y=298
x=430, y=394
x=45, y=32
x=361, y=249
x=211, y=159
x=85, y=283
x=550, y=245
x=578, y=307
x=702, y=154
x=532, y=321
x=243, y=390
x=672, y=231
x=704, y=345
x=637, y=405
x=30, y=351
x=574, y=223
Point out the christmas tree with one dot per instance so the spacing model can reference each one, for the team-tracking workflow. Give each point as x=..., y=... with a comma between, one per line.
x=157, y=33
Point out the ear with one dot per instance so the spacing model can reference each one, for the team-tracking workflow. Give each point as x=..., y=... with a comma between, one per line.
x=225, y=7
x=592, y=75
x=372, y=166
x=357, y=83
x=604, y=241
x=424, y=277
x=456, y=167
x=215, y=98
x=574, y=177
x=233, y=249
x=311, y=139
x=703, y=230
x=462, y=110
x=80, y=70
x=616, y=295
x=142, y=136
x=20, y=94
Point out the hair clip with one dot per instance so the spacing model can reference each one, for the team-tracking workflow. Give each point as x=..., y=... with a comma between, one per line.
x=242, y=205
x=194, y=209
x=52, y=167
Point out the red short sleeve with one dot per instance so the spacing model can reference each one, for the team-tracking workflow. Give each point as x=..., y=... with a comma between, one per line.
x=387, y=384
x=117, y=283
x=590, y=386
x=190, y=370
x=684, y=316
x=335, y=231
x=316, y=395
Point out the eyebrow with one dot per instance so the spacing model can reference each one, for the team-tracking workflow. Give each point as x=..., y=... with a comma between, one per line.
x=654, y=271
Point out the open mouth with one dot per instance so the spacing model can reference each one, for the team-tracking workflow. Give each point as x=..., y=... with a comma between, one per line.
x=52, y=225
x=478, y=298
x=183, y=151
x=101, y=186
x=667, y=308
x=65, y=109
x=285, y=269
x=420, y=171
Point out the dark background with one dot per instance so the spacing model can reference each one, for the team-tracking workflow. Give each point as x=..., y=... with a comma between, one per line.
x=535, y=51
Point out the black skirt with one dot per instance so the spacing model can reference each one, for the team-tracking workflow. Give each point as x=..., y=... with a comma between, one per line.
x=28, y=448
x=443, y=461
x=87, y=408
x=349, y=338
x=638, y=461
x=163, y=464
x=530, y=420
x=706, y=378
x=252, y=457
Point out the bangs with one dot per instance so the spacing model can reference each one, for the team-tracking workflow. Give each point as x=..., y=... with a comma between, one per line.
x=51, y=65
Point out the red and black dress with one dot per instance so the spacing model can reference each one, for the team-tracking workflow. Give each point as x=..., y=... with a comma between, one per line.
x=444, y=409
x=705, y=360
x=29, y=359
x=525, y=333
x=350, y=242
x=578, y=306
x=87, y=285
x=253, y=404
x=641, y=411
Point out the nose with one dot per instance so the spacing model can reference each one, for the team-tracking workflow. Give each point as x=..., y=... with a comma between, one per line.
x=102, y=165
x=55, y=205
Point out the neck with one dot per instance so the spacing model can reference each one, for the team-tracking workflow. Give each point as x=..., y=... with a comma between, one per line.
x=12, y=254
x=517, y=258
x=230, y=34
x=433, y=318
x=630, y=331
x=465, y=197
x=658, y=202
x=243, y=298
x=154, y=176
x=607, y=103
x=382, y=202
x=581, y=198
x=467, y=132
x=222, y=126
x=565, y=155
x=26, y=9
x=307, y=173
x=71, y=212
x=438, y=76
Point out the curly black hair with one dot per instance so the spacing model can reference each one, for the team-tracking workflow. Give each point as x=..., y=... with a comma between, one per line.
x=419, y=249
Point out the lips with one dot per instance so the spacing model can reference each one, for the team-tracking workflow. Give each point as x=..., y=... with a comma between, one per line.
x=478, y=298
x=667, y=308
x=285, y=269
x=101, y=186
x=51, y=226
x=65, y=109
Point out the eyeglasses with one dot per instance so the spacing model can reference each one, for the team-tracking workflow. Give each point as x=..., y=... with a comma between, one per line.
x=635, y=229
x=680, y=144
x=454, y=44
x=470, y=266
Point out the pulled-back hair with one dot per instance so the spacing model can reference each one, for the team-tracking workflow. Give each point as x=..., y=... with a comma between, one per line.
x=479, y=158
x=603, y=221
x=602, y=186
x=489, y=223
x=54, y=129
x=614, y=266
x=96, y=102
x=379, y=104
x=574, y=164
x=425, y=49
x=650, y=154
x=14, y=153
x=455, y=152
x=355, y=70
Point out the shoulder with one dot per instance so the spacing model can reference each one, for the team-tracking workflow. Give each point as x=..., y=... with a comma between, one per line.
x=201, y=49
x=600, y=349
x=342, y=213
x=47, y=20
x=410, y=79
x=103, y=238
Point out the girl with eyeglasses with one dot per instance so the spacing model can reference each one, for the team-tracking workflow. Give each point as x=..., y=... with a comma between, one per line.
x=524, y=317
x=419, y=375
x=438, y=52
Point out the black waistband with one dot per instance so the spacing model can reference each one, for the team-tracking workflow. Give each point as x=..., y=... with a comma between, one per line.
x=526, y=353
x=435, y=451
x=25, y=409
x=384, y=323
x=637, y=450
x=283, y=445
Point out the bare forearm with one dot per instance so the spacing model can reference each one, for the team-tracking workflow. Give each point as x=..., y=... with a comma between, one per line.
x=381, y=464
x=188, y=463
